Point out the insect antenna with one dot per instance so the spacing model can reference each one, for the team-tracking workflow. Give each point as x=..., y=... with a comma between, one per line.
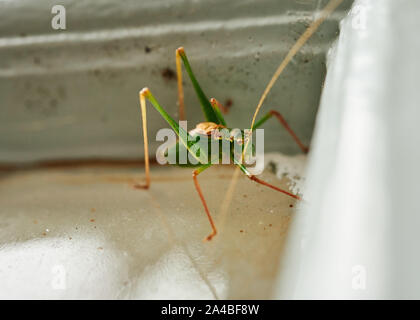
x=328, y=9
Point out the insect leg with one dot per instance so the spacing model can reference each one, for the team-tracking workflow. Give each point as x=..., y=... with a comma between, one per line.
x=284, y=123
x=215, y=103
x=182, y=134
x=197, y=187
x=143, y=95
x=217, y=106
x=254, y=178
x=209, y=113
x=180, y=87
x=146, y=143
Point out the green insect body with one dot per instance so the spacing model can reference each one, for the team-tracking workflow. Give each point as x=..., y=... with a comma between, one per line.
x=191, y=141
x=219, y=146
x=210, y=142
x=203, y=155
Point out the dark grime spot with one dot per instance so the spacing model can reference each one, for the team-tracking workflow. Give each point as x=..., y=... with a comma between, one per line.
x=228, y=103
x=147, y=49
x=168, y=74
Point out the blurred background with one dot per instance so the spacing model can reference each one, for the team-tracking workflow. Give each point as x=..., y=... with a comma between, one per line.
x=73, y=93
x=74, y=227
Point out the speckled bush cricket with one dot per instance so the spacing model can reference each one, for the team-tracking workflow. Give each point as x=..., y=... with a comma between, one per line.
x=214, y=118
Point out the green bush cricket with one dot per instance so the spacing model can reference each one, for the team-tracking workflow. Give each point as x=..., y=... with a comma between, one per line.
x=212, y=110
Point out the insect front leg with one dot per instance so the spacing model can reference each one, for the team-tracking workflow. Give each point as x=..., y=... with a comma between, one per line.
x=200, y=193
x=146, y=143
x=143, y=95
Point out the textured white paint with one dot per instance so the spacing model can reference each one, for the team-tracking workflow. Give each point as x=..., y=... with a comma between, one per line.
x=362, y=216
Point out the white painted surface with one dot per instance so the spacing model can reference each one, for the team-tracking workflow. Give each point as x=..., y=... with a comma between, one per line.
x=358, y=235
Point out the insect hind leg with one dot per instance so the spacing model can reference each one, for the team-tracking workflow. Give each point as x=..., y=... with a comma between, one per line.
x=264, y=183
x=254, y=178
x=200, y=193
x=284, y=123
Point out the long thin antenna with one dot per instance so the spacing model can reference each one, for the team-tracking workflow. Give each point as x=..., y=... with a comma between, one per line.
x=328, y=9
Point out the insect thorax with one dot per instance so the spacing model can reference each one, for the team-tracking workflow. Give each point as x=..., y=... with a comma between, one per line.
x=205, y=128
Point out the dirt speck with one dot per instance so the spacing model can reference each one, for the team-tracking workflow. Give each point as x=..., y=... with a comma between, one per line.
x=168, y=74
x=228, y=103
x=241, y=231
x=147, y=49
x=92, y=220
x=290, y=205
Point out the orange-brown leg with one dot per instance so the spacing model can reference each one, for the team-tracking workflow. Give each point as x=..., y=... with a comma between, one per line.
x=180, y=88
x=254, y=178
x=146, y=143
x=200, y=193
x=284, y=123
